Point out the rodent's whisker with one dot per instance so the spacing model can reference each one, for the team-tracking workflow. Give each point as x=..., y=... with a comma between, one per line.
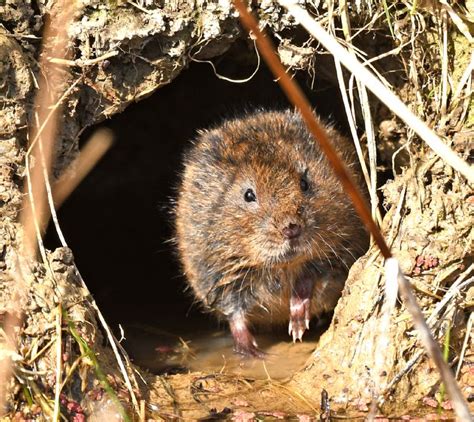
x=321, y=250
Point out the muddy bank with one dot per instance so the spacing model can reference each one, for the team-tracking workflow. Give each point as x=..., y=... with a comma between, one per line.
x=124, y=52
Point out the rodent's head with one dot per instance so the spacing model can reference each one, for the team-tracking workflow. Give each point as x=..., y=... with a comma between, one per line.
x=271, y=203
x=262, y=193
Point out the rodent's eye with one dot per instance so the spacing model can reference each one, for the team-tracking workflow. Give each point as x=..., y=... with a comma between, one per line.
x=304, y=184
x=249, y=196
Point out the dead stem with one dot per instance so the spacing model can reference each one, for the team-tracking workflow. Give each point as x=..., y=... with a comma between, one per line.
x=383, y=339
x=89, y=156
x=371, y=178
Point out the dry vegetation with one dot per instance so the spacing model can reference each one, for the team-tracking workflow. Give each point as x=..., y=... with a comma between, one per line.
x=54, y=361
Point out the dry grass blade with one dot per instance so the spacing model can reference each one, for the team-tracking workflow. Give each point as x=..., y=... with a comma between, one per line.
x=367, y=115
x=391, y=293
x=378, y=88
x=93, y=151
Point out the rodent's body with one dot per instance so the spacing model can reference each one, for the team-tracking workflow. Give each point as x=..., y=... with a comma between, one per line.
x=264, y=229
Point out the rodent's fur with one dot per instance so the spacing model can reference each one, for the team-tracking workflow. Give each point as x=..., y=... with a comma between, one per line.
x=233, y=252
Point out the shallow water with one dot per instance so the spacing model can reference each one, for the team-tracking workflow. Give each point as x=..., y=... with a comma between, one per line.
x=211, y=351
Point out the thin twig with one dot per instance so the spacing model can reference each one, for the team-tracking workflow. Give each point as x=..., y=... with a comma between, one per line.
x=409, y=365
x=452, y=291
x=390, y=299
x=93, y=151
x=369, y=127
x=49, y=196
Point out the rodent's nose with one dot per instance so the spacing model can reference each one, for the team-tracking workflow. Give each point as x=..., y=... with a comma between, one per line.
x=292, y=231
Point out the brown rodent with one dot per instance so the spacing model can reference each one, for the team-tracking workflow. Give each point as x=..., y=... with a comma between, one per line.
x=264, y=230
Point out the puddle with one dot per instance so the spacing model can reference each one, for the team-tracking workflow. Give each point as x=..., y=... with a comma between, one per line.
x=210, y=351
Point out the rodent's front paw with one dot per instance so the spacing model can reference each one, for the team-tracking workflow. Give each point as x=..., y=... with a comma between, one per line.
x=299, y=317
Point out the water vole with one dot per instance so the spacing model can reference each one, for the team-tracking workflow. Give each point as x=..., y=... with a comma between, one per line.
x=264, y=230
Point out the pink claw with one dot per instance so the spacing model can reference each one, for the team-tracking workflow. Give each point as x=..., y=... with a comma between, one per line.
x=300, y=308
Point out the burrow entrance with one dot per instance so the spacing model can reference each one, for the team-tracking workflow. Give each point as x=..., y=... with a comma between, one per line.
x=118, y=222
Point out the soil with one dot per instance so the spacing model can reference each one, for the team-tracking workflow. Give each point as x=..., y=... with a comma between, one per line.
x=116, y=221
